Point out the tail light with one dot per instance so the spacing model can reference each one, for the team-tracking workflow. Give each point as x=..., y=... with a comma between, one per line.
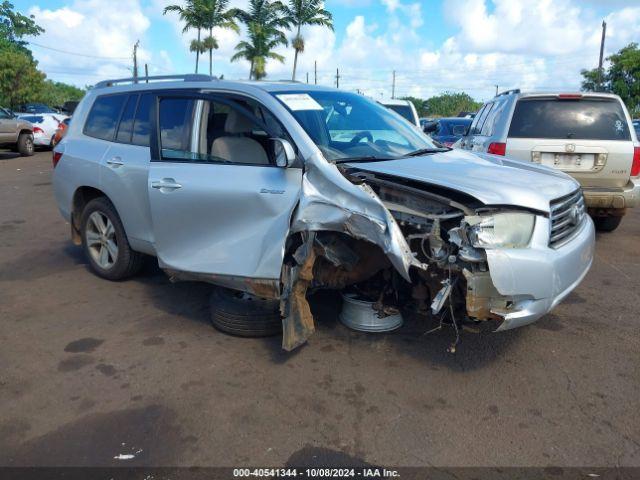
x=635, y=166
x=37, y=130
x=497, y=148
x=56, y=158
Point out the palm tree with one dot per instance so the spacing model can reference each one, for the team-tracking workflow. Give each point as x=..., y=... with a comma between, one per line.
x=265, y=21
x=216, y=14
x=192, y=16
x=301, y=13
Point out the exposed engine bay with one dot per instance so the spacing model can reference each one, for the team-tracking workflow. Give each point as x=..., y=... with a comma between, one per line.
x=448, y=280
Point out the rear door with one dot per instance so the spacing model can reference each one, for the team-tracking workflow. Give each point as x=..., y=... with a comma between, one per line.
x=587, y=137
x=211, y=216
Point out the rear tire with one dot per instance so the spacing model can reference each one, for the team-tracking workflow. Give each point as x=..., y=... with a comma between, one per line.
x=105, y=243
x=607, y=224
x=244, y=315
x=25, y=144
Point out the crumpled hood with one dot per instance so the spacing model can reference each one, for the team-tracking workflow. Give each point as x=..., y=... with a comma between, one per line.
x=491, y=179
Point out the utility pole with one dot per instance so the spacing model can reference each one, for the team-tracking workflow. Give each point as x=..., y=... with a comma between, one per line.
x=307, y=77
x=393, y=86
x=146, y=72
x=496, y=90
x=604, y=33
x=337, y=78
x=135, y=61
x=315, y=72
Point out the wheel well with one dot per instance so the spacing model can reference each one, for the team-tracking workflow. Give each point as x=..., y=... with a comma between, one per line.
x=81, y=197
x=24, y=130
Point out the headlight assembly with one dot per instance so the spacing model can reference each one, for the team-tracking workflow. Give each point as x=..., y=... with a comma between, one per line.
x=501, y=230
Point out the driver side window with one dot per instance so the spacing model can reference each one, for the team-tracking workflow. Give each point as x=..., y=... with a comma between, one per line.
x=229, y=130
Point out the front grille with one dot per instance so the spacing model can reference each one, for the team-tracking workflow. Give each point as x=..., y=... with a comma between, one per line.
x=567, y=215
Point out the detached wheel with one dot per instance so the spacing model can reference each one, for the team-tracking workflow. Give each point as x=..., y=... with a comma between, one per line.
x=105, y=243
x=25, y=144
x=607, y=224
x=244, y=315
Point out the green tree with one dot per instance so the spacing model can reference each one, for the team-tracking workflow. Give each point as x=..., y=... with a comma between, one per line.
x=265, y=21
x=56, y=93
x=622, y=77
x=449, y=104
x=14, y=26
x=193, y=16
x=301, y=13
x=20, y=80
x=217, y=15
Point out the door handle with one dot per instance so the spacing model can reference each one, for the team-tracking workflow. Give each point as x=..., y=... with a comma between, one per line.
x=166, y=184
x=115, y=162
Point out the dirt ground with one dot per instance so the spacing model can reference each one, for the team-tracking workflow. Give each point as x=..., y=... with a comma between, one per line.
x=132, y=373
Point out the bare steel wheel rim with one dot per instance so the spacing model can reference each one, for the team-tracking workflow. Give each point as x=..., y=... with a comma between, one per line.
x=101, y=240
x=29, y=144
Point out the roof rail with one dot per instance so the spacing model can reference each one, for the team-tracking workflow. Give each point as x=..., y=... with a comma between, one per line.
x=190, y=77
x=508, y=92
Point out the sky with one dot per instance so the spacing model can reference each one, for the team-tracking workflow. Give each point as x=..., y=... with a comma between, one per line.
x=434, y=46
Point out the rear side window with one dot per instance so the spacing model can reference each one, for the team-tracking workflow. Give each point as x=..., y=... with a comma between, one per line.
x=403, y=110
x=126, y=122
x=142, y=123
x=584, y=119
x=104, y=115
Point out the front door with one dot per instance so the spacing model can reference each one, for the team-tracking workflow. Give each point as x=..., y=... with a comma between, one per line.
x=219, y=205
x=7, y=127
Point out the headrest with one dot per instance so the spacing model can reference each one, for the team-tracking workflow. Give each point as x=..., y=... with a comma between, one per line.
x=237, y=123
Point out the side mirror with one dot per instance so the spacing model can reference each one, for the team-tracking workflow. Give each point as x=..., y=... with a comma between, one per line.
x=284, y=153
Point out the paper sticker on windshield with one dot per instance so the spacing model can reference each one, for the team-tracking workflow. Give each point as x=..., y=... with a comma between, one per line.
x=299, y=101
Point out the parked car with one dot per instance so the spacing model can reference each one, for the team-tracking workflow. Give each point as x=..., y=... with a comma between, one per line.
x=404, y=108
x=15, y=133
x=447, y=131
x=35, y=108
x=244, y=185
x=587, y=135
x=464, y=114
x=636, y=127
x=60, y=131
x=44, y=127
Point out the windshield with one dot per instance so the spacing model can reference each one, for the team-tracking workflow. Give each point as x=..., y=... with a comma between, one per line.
x=402, y=110
x=347, y=125
x=585, y=119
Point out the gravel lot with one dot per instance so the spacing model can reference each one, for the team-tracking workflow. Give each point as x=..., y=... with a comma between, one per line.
x=90, y=370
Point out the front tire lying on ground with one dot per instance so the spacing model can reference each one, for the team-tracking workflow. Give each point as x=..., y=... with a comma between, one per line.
x=105, y=243
x=607, y=224
x=244, y=315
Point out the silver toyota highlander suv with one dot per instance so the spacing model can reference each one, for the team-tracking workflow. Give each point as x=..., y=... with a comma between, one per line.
x=273, y=189
x=587, y=135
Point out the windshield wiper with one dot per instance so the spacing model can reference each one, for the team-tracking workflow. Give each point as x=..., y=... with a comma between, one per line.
x=426, y=151
x=369, y=158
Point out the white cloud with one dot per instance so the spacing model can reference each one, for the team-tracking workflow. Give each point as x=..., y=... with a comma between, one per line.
x=104, y=35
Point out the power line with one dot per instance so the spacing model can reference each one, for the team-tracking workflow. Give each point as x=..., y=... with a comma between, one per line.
x=77, y=54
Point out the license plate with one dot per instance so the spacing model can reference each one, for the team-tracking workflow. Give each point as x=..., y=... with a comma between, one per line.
x=568, y=161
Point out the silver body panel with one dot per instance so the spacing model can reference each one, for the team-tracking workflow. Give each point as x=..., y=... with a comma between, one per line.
x=229, y=223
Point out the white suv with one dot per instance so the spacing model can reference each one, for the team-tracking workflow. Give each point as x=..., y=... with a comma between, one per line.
x=590, y=136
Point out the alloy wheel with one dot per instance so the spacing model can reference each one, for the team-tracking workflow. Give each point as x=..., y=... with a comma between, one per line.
x=101, y=240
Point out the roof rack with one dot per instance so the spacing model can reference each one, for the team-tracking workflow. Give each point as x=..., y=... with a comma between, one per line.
x=191, y=77
x=508, y=92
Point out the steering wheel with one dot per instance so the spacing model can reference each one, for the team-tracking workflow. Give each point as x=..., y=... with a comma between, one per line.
x=359, y=136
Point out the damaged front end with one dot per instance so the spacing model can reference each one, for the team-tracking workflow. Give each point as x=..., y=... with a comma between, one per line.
x=393, y=242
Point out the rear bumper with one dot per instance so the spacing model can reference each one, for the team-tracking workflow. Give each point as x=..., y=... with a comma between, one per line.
x=536, y=279
x=626, y=197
